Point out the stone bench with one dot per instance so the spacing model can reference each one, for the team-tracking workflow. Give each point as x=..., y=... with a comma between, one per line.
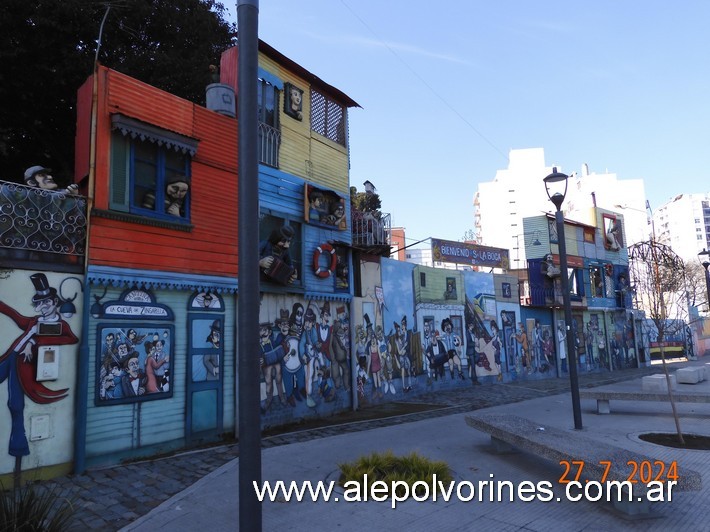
x=658, y=383
x=603, y=397
x=509, y=431
x=690, y=375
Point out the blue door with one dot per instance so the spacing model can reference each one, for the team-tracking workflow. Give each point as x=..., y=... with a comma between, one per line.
x=204, y=406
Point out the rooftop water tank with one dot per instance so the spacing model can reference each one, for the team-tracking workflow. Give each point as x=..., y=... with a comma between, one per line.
x=220, y=98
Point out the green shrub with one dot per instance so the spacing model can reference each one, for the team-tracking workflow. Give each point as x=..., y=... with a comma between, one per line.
x=34, y=509
x=389, y=468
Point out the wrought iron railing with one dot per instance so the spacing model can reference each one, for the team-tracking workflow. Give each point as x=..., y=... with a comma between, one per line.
x=370, y=229
x=38, y=225
x=269, y=141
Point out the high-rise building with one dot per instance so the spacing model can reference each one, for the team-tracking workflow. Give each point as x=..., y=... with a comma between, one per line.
x=683, y=223
x=518, y=192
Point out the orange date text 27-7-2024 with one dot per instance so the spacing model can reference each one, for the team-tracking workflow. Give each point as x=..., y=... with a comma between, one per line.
x=644, y=471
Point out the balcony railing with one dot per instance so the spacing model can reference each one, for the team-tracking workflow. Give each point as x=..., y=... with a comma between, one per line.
x=39, y=227
x=269, y=141
x=370, y=229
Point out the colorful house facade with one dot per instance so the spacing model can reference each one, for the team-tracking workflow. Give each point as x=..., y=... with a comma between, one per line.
x=605, y=327
x=144, y=360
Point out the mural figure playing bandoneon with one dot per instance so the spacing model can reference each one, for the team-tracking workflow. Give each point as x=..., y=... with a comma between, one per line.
x=275, y=259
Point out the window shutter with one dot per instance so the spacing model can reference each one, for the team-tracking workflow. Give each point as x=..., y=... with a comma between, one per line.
x=118, y=185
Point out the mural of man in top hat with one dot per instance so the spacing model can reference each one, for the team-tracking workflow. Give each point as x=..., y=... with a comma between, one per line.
x=18, y=365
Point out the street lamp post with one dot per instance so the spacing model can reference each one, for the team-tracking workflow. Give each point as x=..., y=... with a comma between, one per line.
x=556, y=188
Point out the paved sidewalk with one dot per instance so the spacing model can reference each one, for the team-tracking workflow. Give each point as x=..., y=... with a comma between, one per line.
x=121, y=496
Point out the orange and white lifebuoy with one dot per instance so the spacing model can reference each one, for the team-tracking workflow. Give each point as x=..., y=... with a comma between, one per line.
x=317, y=268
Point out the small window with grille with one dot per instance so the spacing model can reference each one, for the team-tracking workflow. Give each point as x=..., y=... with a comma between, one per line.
x=328, y=117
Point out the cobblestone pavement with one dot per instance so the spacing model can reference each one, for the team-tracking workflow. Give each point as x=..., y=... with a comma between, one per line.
x=111, y=498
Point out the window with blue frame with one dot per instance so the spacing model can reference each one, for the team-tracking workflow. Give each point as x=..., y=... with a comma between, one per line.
x=150, y=170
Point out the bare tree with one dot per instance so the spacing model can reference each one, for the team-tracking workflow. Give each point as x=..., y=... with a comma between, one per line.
x=658, y=275
x=697, y=288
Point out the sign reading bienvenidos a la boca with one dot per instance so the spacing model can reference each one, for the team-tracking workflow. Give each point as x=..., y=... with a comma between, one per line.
x=471, y=254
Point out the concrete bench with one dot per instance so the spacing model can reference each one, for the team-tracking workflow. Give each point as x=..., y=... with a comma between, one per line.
x=658, y=383
x=509, y=431
x=603, y=397
x=691, y=375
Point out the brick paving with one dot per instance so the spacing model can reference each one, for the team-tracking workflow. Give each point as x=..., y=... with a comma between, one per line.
x=111, y=498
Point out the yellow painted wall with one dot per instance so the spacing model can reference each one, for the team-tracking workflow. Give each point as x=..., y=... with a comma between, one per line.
x=435, y=287
x=303, y=152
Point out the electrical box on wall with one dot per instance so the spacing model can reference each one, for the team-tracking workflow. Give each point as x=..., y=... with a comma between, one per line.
x=48, y=363
x=39, y=427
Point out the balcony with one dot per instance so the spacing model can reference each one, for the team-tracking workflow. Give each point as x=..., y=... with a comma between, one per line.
x=371, y=231
x=40, y=229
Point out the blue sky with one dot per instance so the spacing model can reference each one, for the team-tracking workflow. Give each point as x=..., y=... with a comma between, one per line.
x=447, y=89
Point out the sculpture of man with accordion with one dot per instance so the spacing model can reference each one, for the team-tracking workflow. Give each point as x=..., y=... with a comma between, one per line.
x=275, y=259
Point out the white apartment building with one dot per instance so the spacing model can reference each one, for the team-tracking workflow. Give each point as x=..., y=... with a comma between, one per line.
x=518, y=192
x=684, y=224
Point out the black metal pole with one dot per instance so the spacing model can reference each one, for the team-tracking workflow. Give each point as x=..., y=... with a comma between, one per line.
x=250, y=518
x=571, y=353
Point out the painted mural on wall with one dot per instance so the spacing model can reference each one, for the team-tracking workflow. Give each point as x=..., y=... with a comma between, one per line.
x=206, y=336
x=622, y=344
x=456, y=344
x=36, y=344
x=395, y=344
x=133, y=359
x=134, y=363
x=304, y=354
x=486, y=359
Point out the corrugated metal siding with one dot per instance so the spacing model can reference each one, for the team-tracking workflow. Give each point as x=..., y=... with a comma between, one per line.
x=211, y=246
x=136, y=99
x=280, y=192
x=330, y=165
x=304, y=153
x=115, y=429
x=536, y=227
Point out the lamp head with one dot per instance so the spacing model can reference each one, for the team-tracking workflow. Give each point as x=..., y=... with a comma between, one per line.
x=97, y=309
x=67, y=308
x=704, y=258
x=556, y=187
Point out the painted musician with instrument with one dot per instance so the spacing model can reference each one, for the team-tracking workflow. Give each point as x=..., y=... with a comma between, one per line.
x=274, y=256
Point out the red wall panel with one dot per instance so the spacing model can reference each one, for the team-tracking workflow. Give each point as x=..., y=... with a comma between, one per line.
x=210, y=248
